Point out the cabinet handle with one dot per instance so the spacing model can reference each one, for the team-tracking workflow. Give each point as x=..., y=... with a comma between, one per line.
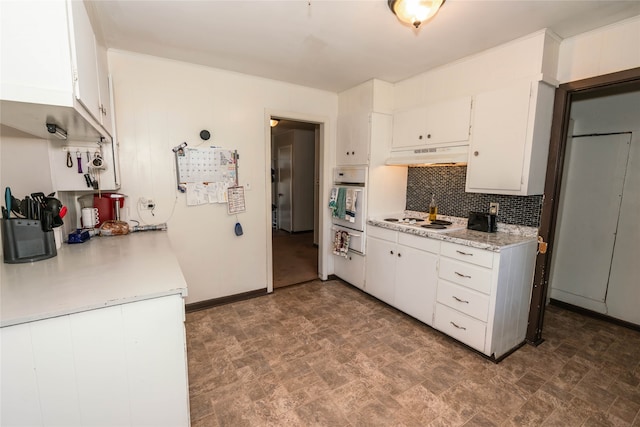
x=419, y=136
x=428, y=136
x=353, y=153
x=399, y=255
x=460, y=300
x=347, y=153
x=459, y=327
x=462, y=275
x=464, y=253
x=391, y=252
x=476, y=153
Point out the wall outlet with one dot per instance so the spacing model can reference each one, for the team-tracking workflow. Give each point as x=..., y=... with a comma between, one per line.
x=493, y=208
x=146, y=204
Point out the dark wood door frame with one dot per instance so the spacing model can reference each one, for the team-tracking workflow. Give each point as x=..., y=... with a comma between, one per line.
x=559, y=128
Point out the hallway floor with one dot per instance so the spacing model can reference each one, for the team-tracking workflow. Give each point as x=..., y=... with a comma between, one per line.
x=326, y=354
x=295, y=258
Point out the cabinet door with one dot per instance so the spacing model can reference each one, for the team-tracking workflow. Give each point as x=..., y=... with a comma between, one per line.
x=443, y=122
x=350, y=269
x=409, y=128
x=353, y=139
x=104, y=88
x=416, y=283
x=380, y=269
x=448, y=121
x=499, y=139
x=84, y=58
x=20, y=404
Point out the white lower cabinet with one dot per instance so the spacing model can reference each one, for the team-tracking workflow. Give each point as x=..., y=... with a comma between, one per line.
x=402, y=271
x=483, y=296
x=380, y=274
x=479, y=297
x=122, y=365
x=350, y=268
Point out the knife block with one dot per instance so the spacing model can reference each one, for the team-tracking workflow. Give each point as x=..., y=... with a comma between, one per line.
x=24, y=241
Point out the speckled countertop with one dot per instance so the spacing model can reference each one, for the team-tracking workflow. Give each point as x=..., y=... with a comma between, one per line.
x=507, y=234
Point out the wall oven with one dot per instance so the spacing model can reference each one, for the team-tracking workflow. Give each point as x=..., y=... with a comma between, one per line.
x=348, y=203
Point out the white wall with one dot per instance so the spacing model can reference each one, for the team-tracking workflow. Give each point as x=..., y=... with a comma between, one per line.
x=161, y=103
x=24, y=163
x=605, y=50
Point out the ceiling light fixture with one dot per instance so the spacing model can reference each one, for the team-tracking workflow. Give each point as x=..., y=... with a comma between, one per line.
x=415, y=12
x=56, y=131
x=274, y=122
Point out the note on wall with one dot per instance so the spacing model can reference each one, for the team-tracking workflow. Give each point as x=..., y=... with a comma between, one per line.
x=236, y=200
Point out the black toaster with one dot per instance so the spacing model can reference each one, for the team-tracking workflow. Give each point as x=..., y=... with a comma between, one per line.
x=482, y=221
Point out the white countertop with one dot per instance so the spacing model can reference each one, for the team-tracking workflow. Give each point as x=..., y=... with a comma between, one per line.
x=477, y=239
x=100, y=272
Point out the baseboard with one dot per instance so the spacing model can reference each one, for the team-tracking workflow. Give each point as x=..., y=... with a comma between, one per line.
x=214, y=302
x=593, y=314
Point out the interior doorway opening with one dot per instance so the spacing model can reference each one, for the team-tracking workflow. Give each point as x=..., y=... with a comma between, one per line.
x=295, y=195
x=616, y=83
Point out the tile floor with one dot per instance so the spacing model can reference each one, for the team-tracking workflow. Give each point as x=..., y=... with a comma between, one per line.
x=326, y=354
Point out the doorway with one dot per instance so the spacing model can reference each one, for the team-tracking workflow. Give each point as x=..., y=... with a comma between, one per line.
x=615, y=83
x=295, y=201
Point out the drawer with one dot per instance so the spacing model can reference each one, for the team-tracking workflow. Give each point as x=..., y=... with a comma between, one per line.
x=465, y=329
x=465, y=274
x=382, y=233
x=418, y=242
x=463, y=299
x=468, y=254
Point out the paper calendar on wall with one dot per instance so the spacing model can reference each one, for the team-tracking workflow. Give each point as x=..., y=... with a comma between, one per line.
x=206, y=173
x=207, y=165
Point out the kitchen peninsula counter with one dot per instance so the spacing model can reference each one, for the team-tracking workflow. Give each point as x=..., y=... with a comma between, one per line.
x=101, y=272
x=477, y=239
x=88, y=333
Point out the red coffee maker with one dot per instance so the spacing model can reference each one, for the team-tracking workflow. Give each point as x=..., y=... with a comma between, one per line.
x=108, y=205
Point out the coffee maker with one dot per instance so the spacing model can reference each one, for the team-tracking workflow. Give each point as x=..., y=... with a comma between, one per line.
x=108, y=206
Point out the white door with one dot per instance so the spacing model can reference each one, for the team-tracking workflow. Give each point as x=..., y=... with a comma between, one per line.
x=499, y=135
x=587, y=223
x=381, y=269
x=85, y=60
x=623, y=295
x=285, y=214
x=416, y=283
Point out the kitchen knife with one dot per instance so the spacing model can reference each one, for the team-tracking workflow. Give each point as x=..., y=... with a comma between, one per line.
x=7, y=201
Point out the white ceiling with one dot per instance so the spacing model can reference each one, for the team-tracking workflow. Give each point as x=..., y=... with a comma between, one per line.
x=334, y=44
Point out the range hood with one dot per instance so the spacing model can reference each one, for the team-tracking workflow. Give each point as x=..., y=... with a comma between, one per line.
x=429, y=156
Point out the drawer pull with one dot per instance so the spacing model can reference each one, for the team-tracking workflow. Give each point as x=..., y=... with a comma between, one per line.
x=459, y=300
x=459, y=327
x=464, y=253
x=391, y=252
x=462, y=275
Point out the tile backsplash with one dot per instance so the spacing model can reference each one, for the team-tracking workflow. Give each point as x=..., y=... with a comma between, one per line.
x=447, y=183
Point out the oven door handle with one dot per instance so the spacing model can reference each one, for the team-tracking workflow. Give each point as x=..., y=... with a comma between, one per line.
x=348, y=232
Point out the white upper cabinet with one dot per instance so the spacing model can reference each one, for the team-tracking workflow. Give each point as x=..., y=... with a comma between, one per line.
x=105, y=107
x=50, y=73
x=510, y=139
x=352, y=147
x=84, y=58
x=435, y=124
x=359, y=110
